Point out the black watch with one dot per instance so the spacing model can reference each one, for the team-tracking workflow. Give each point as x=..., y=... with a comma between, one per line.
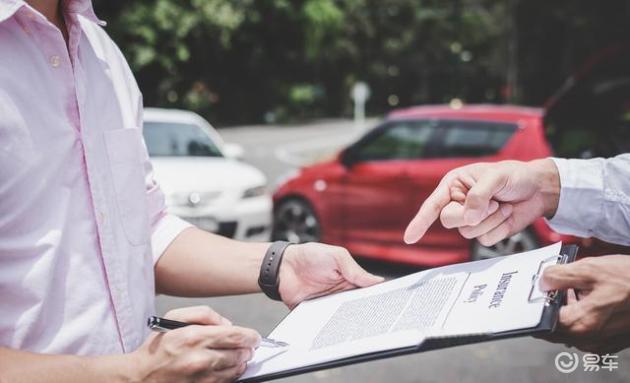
x=269, y=280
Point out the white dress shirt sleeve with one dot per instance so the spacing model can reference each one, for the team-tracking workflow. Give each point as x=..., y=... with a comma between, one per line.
x=164, y=227
x=594, y=198
x=167, y=228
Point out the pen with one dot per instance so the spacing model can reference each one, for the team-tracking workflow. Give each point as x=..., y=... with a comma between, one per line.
x=163, y=325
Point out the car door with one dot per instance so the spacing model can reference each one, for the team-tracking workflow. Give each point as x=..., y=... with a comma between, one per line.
x=376, y=186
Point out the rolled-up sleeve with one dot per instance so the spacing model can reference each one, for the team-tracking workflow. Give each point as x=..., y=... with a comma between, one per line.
x=594, y=198
x=165, y=230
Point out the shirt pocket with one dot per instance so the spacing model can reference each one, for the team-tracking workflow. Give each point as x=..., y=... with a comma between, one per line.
x=127, y=171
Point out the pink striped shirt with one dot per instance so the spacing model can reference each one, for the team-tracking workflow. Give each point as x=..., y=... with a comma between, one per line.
x=81, y=219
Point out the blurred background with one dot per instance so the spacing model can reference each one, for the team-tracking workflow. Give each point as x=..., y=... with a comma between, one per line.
x=255, y=61
x=332, y=120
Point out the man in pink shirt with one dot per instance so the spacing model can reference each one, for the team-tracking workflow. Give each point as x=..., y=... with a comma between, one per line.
x=85, y=239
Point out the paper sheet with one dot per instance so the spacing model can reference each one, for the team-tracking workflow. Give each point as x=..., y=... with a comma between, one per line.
x=477, y=297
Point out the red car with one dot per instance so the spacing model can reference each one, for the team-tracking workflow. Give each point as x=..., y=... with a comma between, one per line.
x=364, y=198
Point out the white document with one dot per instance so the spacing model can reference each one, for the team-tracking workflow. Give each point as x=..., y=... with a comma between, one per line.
x=488, y=296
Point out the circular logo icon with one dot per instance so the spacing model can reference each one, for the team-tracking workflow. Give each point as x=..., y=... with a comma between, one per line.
x=194, y=199
x=567, y=362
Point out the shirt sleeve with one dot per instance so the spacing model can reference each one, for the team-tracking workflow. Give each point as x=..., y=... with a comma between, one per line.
x=594, y=198
x=164, y=231
x=164, y=227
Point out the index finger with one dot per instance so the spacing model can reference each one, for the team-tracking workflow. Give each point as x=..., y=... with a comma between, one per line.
x=228, y=337
x=202, y=315
x=428, y=213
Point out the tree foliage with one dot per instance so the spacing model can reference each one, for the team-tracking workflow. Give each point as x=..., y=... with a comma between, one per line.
x=240, y=61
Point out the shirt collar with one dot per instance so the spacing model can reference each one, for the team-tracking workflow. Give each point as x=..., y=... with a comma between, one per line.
x=80, y=7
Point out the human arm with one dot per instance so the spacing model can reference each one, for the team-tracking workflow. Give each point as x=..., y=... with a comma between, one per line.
x=198, y=263
x=26, y=367
x=490, y=201
x=493, y=201
x=213, y=351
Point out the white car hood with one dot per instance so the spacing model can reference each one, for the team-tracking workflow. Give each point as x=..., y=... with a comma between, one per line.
x=202, y=174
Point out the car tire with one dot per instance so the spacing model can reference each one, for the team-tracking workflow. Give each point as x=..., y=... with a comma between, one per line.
x=294, y=220
x=519, y=242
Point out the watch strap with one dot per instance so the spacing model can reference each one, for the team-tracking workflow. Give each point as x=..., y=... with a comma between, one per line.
x=269, y=280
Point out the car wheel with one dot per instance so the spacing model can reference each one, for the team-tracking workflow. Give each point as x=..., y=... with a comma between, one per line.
x=519, y=242
x=295, y=221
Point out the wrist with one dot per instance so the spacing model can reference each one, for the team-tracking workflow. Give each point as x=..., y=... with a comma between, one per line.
x=137, y=366
x=269, y=277
x=260, y=259
x=291, y=254
x=288, y=266
x=548, y=184
x=125, y=368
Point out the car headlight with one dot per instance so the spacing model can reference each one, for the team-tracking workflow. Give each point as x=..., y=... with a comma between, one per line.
x=255, y=191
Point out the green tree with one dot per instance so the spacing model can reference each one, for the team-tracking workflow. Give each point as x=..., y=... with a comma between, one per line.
x=239, y=61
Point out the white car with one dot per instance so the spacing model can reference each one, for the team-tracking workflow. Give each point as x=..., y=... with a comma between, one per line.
x=202, y=177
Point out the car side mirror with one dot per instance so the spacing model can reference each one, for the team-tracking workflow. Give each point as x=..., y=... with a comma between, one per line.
x=233, y=151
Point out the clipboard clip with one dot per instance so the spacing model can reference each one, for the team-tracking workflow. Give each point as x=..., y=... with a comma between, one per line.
x=551, y=295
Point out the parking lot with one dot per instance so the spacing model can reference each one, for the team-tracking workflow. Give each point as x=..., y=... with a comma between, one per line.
x=276, y=150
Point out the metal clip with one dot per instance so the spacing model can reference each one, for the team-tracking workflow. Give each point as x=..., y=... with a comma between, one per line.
x=551, y=296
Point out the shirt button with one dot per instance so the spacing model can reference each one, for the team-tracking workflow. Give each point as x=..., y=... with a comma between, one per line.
x=101, y=216
x=54, y=61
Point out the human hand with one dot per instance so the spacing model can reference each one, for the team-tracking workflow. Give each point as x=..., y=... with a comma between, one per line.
x=314, y=269
x=597, y=315
x=213, y=352
x=490, y=201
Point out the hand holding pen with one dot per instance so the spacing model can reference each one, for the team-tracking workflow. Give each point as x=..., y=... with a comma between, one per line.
x=213, y=351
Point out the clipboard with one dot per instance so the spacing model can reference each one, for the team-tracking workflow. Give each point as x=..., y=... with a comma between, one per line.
x=549, y=319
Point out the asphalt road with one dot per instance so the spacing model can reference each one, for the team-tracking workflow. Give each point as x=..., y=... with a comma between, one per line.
x=276, y=150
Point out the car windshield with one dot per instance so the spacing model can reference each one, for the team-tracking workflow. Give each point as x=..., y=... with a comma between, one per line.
x=168, y=139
